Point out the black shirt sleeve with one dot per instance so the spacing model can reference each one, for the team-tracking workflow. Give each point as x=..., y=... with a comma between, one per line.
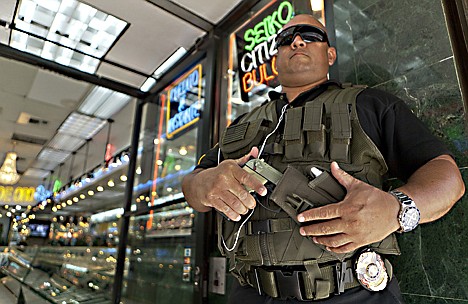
x=405, y=142
x=210, y=158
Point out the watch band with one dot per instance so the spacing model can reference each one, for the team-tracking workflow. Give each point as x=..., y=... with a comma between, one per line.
x=409, y=214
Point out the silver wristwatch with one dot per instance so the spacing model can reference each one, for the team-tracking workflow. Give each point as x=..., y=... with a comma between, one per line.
x=409, y=214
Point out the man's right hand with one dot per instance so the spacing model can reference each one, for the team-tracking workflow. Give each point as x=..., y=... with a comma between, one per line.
x=223, y=188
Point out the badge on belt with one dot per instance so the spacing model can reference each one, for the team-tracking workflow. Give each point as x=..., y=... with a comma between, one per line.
x=370, y=271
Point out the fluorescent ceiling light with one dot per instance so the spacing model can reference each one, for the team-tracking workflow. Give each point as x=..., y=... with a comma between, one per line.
x=149, y=83
x=68, y=32
x=53, y=155
x=94, y=100
x=169, y=62
x=103, y=103
x=80, y=125
x=66, y=142
x=113, y=104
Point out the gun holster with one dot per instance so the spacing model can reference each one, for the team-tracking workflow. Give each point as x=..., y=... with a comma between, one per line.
x=295, y=193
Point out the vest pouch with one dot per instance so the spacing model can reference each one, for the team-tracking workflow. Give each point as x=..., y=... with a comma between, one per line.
x=341, y=132
x=293, y=135
x=315, y=130
x=294, y=193
x=238, y=139
x=227, y=231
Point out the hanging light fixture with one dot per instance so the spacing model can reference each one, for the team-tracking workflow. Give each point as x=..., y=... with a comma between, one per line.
x=8, y=174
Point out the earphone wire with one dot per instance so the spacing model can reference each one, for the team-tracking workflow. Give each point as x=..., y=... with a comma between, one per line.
x=283, y=110
x=237, y=233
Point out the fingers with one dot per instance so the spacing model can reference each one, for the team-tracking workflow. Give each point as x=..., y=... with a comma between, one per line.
x=321, y=213
x=222, y=207
x=341, y=176
x=253, y=153
x=324, y=228
x=331, y=235
x=335, y=242
x=249, y=181
x=224, y=187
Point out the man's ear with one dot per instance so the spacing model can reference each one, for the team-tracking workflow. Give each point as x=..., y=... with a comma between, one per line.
x=331, y=55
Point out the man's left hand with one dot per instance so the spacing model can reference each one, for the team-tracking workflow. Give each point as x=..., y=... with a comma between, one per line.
x=366, y=215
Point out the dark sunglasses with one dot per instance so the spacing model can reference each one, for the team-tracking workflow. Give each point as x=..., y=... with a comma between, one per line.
x=308, y=33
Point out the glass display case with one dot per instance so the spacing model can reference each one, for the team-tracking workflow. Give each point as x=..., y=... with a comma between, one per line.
x=161, y=261
x=74, y=275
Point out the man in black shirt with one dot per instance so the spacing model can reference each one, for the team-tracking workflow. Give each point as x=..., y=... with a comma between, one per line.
x=366, y=214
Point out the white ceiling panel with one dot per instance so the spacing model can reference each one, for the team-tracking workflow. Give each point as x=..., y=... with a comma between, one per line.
x=39, y=173
x=44, y=164
x=4, y=35
x=16, y=77
x=55, y=89
x=212, y=11
x=7, y=9
x=149, y=40
x=120, y=75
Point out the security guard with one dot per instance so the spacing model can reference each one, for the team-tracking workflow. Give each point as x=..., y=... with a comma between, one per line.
x=316, y=226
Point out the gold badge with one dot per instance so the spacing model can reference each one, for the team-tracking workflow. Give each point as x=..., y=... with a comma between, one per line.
x=371, y=271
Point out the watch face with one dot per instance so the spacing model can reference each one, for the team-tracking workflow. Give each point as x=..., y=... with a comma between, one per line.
x=409, y=218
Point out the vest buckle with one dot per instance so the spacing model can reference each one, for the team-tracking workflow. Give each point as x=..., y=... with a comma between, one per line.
x=343, y=275
x=258, y=227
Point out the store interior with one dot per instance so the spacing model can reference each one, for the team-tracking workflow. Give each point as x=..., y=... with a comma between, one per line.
x=91, y=207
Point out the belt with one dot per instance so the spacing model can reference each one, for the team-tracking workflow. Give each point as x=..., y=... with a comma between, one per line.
x=311, y=283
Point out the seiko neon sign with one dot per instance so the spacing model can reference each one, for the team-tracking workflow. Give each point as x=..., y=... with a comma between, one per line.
x=260, y=46
x=269, y=26
x=17, y=195
x=186, y=115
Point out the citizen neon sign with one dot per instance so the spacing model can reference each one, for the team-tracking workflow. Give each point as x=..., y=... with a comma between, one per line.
x=186, y=114
x=258, y=60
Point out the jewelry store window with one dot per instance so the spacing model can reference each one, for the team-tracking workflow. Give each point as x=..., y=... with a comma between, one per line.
x=161, y=236
x=251, y=72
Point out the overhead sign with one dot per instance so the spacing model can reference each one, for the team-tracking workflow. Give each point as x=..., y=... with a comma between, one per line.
x=256, y=51
x=184, y=98
x=16, y=195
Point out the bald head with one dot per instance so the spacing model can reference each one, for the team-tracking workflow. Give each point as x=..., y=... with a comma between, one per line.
x=304, y=19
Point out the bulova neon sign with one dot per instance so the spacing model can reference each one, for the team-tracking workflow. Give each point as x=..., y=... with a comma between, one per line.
x=186, y=114
x=260, y=46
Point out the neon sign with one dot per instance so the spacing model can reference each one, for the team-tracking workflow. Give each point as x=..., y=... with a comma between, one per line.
x=17, y=195
x=57, y=186
x=183, y=112
x=256, y=47
x=269, y=26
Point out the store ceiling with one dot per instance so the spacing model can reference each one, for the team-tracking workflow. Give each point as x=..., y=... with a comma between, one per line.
x=157, y=28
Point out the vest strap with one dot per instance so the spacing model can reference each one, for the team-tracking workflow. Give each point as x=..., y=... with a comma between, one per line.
x=313, y=283
x=269, y=226
x=341, y=133
x=293, y=136
x=273, y=149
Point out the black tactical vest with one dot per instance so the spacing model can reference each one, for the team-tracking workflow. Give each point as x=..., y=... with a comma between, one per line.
x=323, y=130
